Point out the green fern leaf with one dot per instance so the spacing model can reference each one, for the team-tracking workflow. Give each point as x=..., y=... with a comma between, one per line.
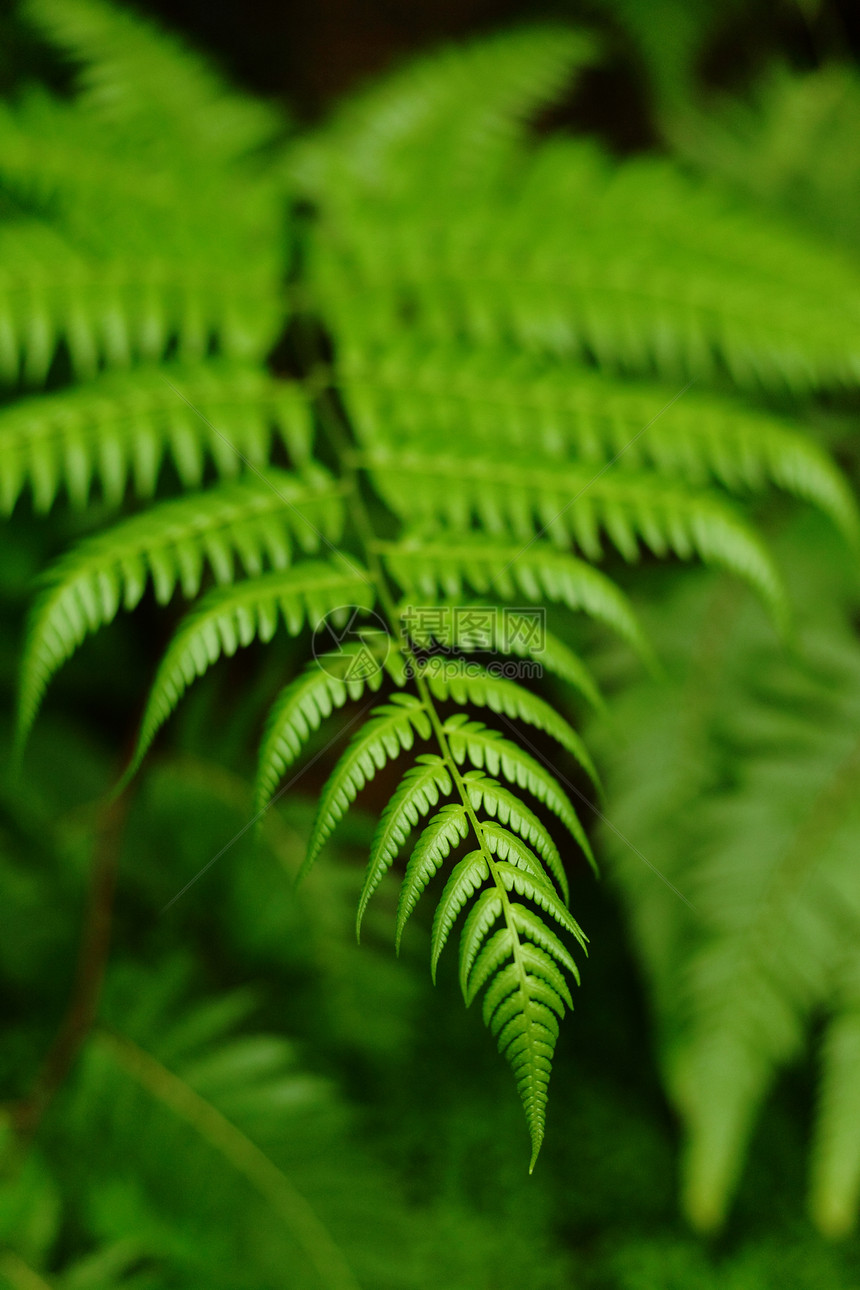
x=391, y=731
x=122, y=425
x=253, y=523
x=416, y=795
x=302, y=706
x=572, y=504
x=439, y=567
x=132, y=72
x=643, y=232
x=469, y=401
x=465, y=880
x=111, y=309
x=547, y=650
x=234, y=616
x=499, y=694
x=492, y=797
x=451, y=122
x=835, y=1182
x=509, y=846
x=519, y=880
x=444, y=832
x=326, y=684
x=486, y=749
x=480, y=961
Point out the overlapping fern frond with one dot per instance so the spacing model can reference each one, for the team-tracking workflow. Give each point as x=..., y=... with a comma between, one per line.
x=139, y=221
x=475, y=406
x=739, y=782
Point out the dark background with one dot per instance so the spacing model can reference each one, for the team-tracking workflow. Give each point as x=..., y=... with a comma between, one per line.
x=309, y=52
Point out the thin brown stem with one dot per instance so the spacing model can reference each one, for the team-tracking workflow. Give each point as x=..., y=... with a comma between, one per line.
x=80, y=1014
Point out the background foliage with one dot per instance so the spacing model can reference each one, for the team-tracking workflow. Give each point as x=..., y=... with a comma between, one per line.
x=259, y=1101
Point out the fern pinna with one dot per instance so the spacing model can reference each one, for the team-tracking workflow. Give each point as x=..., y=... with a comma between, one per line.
x=493, y=341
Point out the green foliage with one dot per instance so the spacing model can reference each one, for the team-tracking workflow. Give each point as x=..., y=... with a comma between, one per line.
x=120, y=427
x=744, y=794
x=479, y=383
x=252, y=523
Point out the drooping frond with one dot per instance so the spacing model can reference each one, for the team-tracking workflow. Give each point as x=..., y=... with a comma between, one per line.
x=416, y=795
x=524, y=499
x=327, y=683
x=480, y=687
x=487, y=795
x=136, y=74
x=469, y=401
x=636, y=265
x=251, y=524
x=452, y=123
x=234, y=616
x=110, y=309
x=473, y=356
x=462, y=626
x=120, y=428
x=391, y=730
x=444, y=832
x=835, y=1183
x=440, y=567
x=483, y=748
x=757, y=920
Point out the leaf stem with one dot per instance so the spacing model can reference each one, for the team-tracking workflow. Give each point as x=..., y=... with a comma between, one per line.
x=348, y=462
x=81, y=1010
x=244, y=1155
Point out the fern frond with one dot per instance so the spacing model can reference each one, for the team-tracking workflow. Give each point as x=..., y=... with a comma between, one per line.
x=499, y=802
x=471, y=401
x=481, y=688
x=521, y=1006
x=111, y=308
x=568, y=503
x=767, y=858
x=134, y=73
x=483, y=748
x=438, y=567
x=547, y=650
x=416, y=795
x=234, y=616
x=391, y=730
x=466, y=878
x=667, y=276
x=792, y=147
x=121, y=426
x=250, y=523
x=302, y=706
x=835, y=1182
x=452, y=122
x=444, y=832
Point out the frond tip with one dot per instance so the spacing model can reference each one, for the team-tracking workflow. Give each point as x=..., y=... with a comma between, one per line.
x=520, y=966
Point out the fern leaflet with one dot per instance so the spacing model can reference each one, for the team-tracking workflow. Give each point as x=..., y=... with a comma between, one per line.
x=253, y=523
x=234, y=616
